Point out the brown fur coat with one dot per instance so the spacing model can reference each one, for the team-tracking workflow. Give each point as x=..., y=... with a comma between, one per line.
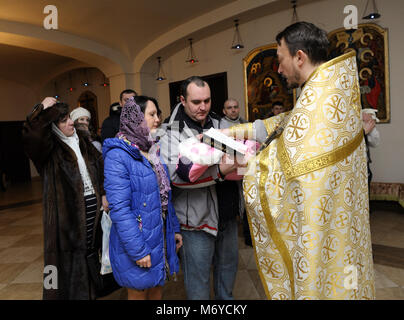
x=64, y=218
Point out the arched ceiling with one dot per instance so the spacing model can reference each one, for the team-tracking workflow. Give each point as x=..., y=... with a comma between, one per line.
x=124, y=25
x=115, y=36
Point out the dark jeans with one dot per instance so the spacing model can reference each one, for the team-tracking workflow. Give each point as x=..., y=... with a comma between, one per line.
x=199, y=252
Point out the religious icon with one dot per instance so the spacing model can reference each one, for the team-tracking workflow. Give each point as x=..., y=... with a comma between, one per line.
x=369, y=42
x=263, y=84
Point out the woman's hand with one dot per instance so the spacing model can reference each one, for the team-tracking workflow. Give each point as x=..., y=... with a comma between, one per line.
x=144, y=262
x=178, y=241
x=105, y=204
x=48, y=102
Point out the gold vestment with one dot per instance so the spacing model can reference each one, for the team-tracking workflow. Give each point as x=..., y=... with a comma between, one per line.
x=306, y=194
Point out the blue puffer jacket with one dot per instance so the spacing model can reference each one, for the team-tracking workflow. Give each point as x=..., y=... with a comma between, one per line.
x=137, y=225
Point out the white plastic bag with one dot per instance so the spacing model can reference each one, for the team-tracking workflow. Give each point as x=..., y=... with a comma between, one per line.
x=106, y=227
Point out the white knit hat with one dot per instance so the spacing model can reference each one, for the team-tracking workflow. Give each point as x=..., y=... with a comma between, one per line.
x=79, y=112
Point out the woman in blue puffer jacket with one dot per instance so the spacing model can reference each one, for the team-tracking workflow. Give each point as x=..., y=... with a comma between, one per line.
x=144, y=235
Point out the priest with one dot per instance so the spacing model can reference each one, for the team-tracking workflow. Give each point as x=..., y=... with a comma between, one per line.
x=306, y=190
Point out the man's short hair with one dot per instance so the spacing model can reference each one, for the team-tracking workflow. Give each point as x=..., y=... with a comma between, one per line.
x=230, y=99
x=127, y=91
x=307, y=37
x=194, y=79
x=277, y=103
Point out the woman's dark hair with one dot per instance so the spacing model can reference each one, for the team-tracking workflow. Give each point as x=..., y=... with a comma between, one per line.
x=307, y=37
x=141, y=101
x=63, y=109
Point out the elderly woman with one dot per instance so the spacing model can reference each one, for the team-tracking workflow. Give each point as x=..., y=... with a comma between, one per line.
x=72, y=174
x=145, y=230
x=81, y=118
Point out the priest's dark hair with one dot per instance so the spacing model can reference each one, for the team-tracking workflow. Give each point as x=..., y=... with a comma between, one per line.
x=307, y=37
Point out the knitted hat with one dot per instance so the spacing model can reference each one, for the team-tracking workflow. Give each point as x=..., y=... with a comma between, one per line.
x=79, y=112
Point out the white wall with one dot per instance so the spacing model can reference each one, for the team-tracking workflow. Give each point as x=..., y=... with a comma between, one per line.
x=215, y=56
x=94, y=76
x=17, y=100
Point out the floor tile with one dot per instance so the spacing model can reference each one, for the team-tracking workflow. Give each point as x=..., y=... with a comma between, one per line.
x=390, y=294
x=31, y=274
x=20, y=254
x=9, y=271
x=244, y=288
x=396, y=275
x=8, y=241
x=30, y=240
x=382, y=281
x=28, y=220
x=17, y=230
x=21, y=291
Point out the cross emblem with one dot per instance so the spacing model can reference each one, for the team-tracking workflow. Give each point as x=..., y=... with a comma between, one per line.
x=335, y=180
x=271, y=268
x=346, y=161
x=352, y=123
x=333, y=283
x=348, y=258
x=307, y=97
x=297, y=194
x=356, y=229
x=324, y=137
x=349, y=193
x=258, y=232
x=324, y=211
x=336, y=104
x=342, y=220
x=301, y=265
x=328, y=248
x=294, y=127
x=345, y=81
x=291, y=225
x=277, y=182
x=249, y=192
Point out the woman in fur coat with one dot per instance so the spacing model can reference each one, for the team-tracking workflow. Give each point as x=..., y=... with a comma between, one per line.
x=72, y=175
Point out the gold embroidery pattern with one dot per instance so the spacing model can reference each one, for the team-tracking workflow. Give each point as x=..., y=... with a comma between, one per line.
x=318, y=162
x=307, y=200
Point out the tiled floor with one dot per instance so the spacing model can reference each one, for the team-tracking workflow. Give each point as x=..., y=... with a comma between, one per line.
x=21, y=252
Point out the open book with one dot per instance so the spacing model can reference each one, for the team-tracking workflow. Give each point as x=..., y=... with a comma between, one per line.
x=220, y=141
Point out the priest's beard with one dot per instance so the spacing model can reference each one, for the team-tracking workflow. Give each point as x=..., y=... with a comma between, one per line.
x=293, y=81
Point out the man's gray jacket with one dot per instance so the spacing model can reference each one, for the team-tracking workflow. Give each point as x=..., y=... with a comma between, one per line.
x=195, y=203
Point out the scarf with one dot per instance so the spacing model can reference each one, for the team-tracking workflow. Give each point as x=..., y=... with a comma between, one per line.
x=73, y=143
x=133, y=129
x=236, y=121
